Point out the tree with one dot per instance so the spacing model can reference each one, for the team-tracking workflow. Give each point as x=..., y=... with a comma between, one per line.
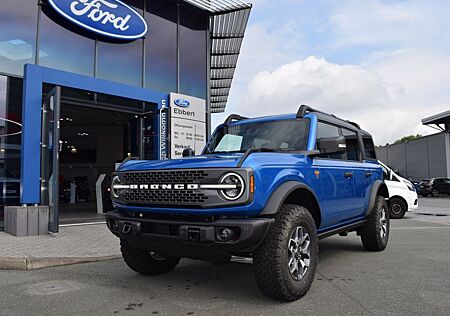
x=407, y=139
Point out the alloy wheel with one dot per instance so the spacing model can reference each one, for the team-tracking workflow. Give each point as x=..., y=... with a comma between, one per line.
x=383, y=223
x=299, y=253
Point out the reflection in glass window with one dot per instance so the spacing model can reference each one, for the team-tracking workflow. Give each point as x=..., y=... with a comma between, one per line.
x=10, y=140
x=121, y=62
x=62, y=48
x=161, y=46
x=17, y=34
x=193, y=53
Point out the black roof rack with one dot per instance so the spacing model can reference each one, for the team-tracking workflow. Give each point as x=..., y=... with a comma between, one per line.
x=354, y=124
x=306, y=108
x=234, y=117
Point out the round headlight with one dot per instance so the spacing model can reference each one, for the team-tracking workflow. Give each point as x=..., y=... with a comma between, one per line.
x=116, y=186
x=236, y=184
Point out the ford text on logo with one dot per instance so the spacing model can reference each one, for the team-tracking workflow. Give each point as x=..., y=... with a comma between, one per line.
x=111, y=18
x=182, y=102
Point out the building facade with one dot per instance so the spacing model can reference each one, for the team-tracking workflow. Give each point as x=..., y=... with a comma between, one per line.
x=111, y=93
x=423, y=158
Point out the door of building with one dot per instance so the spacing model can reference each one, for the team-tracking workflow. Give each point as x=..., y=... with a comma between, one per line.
x=51, y=107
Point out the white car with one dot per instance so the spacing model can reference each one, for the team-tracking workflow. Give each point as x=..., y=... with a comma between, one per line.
x=402, y=193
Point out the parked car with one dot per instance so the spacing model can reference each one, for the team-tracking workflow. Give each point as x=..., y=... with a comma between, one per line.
x=402, y=193
x=266, y=188
x=434, y=186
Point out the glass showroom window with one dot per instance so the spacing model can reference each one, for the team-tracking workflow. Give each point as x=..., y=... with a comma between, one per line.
x=193, y=53
x=62, y=46
x=161, y=46
x=121, y=62
x=10, y=140
x=17, y=35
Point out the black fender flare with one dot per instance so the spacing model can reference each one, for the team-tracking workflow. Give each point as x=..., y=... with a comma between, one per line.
x=276, y=199
x=378, y=188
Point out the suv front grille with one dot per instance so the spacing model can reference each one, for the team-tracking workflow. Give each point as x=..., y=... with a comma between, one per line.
x=165, y=197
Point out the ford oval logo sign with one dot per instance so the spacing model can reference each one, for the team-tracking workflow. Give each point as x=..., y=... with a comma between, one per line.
x=182, y=103
x=111, y=18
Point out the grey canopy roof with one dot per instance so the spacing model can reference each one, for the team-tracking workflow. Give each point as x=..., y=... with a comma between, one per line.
x=228, y=22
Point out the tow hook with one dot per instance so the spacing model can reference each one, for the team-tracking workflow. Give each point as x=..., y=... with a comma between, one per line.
x=126, y=228
x=130, y=228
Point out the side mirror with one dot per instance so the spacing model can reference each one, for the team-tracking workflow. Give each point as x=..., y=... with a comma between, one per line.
x=332, y=145
x=188, y=152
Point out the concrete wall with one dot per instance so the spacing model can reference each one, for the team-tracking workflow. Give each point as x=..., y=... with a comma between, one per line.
x=419, y=159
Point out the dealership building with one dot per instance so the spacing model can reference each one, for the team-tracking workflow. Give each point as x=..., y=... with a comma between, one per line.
x=423, y=158
x=85, y=84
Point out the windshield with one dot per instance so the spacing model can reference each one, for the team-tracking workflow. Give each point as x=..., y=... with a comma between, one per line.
x=282, y=135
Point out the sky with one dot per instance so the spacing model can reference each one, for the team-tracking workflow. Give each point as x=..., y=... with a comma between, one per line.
x=382, y=64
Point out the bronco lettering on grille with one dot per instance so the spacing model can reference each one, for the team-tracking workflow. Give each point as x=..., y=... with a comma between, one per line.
x=162, y=186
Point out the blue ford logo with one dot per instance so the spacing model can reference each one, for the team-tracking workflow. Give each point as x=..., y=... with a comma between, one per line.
x=182, y=103
x=111, y=18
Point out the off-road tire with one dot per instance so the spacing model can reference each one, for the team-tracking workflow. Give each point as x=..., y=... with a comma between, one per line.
x=270, y=261
x=371, y=235
x=144, y=262
x=397, y=208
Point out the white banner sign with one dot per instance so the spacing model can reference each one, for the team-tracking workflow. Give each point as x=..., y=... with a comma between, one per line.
x=187, y=124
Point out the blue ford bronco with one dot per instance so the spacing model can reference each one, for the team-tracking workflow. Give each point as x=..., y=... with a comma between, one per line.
x=265, y=188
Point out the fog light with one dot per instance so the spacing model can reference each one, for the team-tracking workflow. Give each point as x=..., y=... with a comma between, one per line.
x=224, y=234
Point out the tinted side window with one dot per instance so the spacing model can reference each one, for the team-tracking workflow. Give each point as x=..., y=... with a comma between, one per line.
x=351, y=139
x=369, y=148
x=326, y=130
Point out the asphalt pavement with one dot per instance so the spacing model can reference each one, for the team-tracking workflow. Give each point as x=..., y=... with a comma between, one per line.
x=411, y=277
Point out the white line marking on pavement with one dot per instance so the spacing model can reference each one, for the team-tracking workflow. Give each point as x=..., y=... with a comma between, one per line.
x=81, y=224
x=425, y=227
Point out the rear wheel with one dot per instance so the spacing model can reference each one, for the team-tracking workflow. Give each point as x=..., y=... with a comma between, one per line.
x=397, y=208
x=435, y=192
x=146, y=262
x=375, y=233
x=285, y=264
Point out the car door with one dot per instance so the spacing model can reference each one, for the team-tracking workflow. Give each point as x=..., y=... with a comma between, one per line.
x=446, y=186
x=336, y=175
x=362, y=173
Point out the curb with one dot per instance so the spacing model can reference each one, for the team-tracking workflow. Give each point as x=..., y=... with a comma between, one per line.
x=39, y=263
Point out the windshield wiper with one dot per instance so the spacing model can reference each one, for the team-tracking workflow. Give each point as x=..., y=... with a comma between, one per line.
x=254, y=150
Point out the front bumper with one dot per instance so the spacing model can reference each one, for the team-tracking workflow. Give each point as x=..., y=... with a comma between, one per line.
x=195, y=239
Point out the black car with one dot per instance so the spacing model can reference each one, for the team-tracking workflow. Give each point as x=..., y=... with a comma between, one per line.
x=434, y=186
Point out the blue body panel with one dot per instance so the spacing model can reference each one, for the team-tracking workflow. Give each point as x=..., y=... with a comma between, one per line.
x=342, y=200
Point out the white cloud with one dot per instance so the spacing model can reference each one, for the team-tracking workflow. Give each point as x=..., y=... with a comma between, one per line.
x=348, y=91
x=397, y=71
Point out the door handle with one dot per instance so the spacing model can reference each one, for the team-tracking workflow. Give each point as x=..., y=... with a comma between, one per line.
x=369, y=174
x=348, y=174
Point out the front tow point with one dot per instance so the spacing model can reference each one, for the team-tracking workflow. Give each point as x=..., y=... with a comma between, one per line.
x=126, y=229
x=193, y=234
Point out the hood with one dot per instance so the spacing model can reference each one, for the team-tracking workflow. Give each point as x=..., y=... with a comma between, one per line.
x=205, y=161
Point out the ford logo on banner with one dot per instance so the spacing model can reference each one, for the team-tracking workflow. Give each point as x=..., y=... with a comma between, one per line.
x=111, y=18
x=182, y=103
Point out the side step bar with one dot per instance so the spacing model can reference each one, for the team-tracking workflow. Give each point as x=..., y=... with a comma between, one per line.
x=342, y=229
